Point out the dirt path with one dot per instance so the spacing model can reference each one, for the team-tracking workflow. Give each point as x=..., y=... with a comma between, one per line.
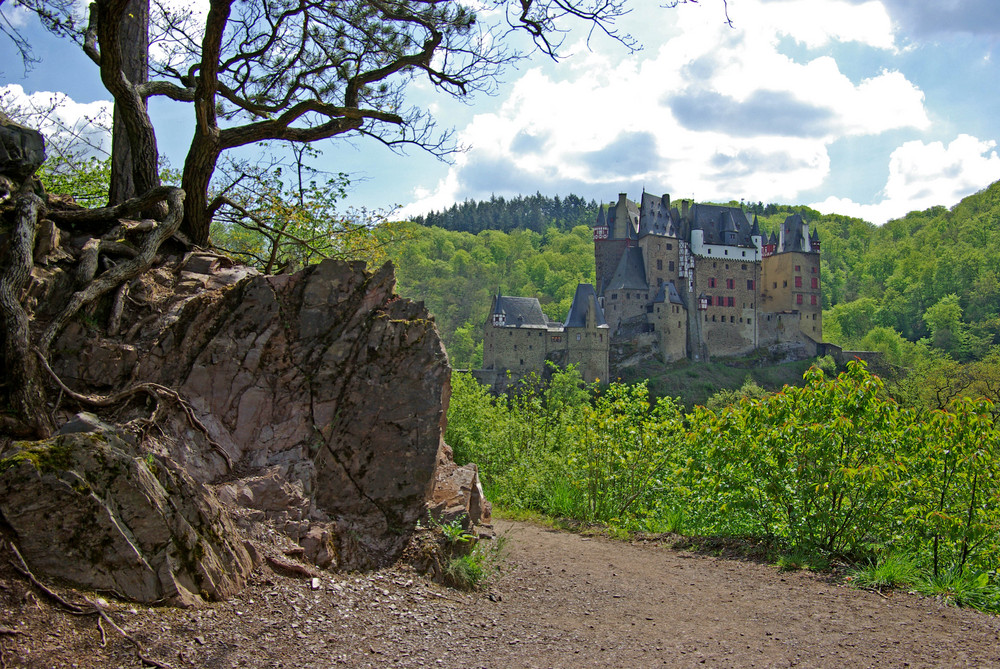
x=563, y=601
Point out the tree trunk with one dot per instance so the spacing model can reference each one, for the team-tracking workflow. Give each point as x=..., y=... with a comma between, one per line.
x=198, y=169
x=130, y=106
x=133, y=42
x=26, y=393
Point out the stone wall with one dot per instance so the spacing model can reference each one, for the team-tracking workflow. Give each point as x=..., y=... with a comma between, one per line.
x=670, y=324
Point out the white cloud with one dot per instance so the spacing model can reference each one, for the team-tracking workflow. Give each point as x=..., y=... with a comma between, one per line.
x=82, y=128
x=923, y=175
x=817, y=23
x=715, y=113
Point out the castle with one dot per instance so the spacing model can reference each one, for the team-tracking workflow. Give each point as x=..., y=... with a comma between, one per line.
x=691, y=282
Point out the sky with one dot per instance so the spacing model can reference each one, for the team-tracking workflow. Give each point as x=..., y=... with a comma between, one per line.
x=865, y=108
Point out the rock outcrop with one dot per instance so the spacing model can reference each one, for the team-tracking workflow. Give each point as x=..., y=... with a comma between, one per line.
x=313, y=404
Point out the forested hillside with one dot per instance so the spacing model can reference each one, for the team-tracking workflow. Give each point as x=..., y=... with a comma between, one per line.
x=456, y=274
x=925, y=289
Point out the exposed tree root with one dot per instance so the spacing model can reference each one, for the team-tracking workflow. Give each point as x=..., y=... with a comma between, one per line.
x=154, y=390
x=27, y=394
x=125, y=271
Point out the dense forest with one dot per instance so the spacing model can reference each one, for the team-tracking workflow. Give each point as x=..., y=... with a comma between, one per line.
x=535, y=212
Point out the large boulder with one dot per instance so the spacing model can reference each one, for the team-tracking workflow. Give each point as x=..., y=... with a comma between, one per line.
x=325, y=390
x=87, y=508
x=305, y=410
x=328, y=374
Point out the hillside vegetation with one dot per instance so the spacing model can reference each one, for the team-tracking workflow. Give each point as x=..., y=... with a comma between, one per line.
x=835, y=469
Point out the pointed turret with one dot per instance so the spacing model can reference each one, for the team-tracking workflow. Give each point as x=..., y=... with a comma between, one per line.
x=814, y=241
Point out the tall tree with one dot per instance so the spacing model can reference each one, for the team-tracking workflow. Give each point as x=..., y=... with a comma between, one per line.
x=307, y=70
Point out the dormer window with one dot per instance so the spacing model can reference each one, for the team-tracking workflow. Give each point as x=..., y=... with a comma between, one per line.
x=499, y=320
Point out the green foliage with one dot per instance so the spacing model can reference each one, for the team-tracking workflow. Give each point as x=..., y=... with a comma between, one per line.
x=833, y=468
x=276, y=224
x=457, y=273
x=798, y=558
x=892, y=570
x=749, y=390
x=475, y=569
x=976, y=590
x=454, y=532
x=87, y=180
x=621, y=448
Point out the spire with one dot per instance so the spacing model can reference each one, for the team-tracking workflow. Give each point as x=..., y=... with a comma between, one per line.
x=755, y=228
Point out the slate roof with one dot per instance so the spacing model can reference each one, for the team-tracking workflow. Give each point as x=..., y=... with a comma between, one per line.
x=578, y=311
x=630, y=273
x=715, y=220
x=668, y=293
x=520, y=311
x=793, y=235
x=656, y=217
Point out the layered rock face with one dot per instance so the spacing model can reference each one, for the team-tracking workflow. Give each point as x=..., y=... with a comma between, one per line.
x=327, y=375
x=313, y=403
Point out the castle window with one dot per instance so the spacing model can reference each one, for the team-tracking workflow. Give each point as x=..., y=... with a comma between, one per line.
x=732, y=319
x=730, y=302
x=744, y=254
x=727, y=265
x=601, y=337
x=798, y=299
x=749, y=321
x=659, y=263
x=710, y=252
x=775, y=284
x=515, y=347
x=726, y=252
x=798, y=268
x=784, y=284
x=750, y=284
x=670, y=247
x=812, y=301
x=743, y=267
x=678, y=323
x=614, y=296
x=730, y=283
x=798, y=282
x=578, y=337
x=530, y=347
x=711, y=282
x=714, y=264
x=815, y=282
x=670, y=265
x=713, y=318
x=813, y=270
x=522, y=361
x=709, y=303
x=722, y=301
x=706, y=318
